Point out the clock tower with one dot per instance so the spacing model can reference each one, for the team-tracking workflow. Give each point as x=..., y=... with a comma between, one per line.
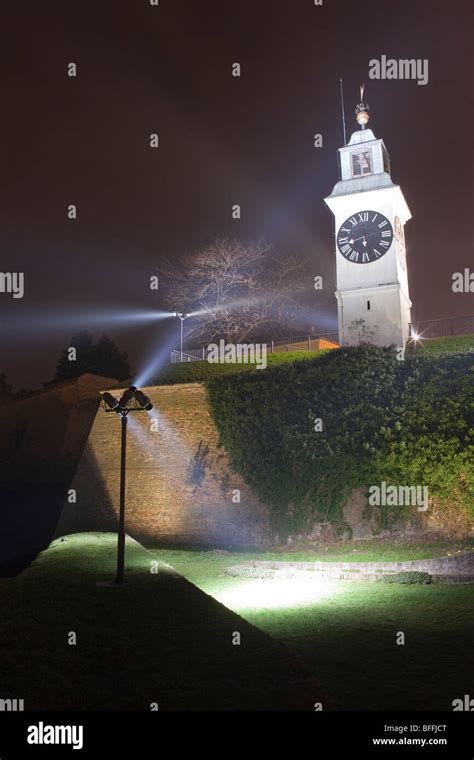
x=370, y=211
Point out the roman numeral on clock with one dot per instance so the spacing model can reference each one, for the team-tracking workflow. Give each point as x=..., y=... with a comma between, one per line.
x=354, y=256
x=383, y=224
x=364, y=217
x=365, y=257
x=385, y=244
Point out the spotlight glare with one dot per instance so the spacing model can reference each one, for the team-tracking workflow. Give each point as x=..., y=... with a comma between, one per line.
x=274, y=593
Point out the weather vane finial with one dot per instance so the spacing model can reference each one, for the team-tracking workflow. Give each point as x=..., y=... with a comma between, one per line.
x=362, y=110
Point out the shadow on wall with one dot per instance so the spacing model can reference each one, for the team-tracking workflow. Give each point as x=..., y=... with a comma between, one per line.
x=42, y=439
x=180, y=487
x=29, y=516
x=94, y=501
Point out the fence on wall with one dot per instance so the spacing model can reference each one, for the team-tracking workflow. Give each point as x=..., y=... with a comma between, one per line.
x=277, y=345
x=428, y=328
x=443, y=328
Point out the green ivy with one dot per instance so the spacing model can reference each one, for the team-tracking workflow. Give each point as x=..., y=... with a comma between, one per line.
x=405, y=422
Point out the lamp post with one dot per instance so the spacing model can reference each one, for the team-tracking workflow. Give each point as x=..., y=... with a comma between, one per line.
x=181, y=316
x=132, y=400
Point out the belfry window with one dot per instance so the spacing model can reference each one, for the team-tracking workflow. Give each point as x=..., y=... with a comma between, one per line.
x=361, y=163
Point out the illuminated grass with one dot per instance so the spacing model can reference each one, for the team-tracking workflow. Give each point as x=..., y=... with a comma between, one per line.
x=457, y=344
x=158, y=639
x=346, y=631
x=199, y=371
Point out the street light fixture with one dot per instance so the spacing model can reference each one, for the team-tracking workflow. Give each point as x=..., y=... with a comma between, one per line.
x=127, y=396
x=181, y=316
x=132, y=400
x=110, y=402
x=415, y=338
x=144, y=401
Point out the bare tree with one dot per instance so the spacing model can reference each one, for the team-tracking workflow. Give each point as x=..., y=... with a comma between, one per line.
x=235, y=290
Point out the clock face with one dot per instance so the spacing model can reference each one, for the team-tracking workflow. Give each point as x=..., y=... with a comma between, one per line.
x=365, y=237
x=400, y=243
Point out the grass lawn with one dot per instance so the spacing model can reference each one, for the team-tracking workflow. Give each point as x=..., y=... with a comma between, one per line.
x=200, y=371
x=367, y=551
x=457, y=344
x=346, y=631
x=160, y=639
x=157, y=639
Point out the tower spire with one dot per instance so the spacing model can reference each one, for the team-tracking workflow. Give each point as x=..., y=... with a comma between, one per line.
x=362, y=110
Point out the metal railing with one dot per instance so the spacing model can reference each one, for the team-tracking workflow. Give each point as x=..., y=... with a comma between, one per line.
x=300, y=343
x=443, y=328
x=429, y=328
x=277, y=345
x=188, y=355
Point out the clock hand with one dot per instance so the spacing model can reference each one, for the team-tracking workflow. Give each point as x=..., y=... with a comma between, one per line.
x=363, y=237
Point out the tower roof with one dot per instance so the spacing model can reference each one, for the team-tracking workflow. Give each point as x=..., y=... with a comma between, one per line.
x=361, y=136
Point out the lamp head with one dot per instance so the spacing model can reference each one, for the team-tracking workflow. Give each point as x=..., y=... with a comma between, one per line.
x=111, y=404
x=128, y=395
x=143, y=401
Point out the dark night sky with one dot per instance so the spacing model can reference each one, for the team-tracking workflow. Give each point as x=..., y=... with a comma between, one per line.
x=143, y=69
